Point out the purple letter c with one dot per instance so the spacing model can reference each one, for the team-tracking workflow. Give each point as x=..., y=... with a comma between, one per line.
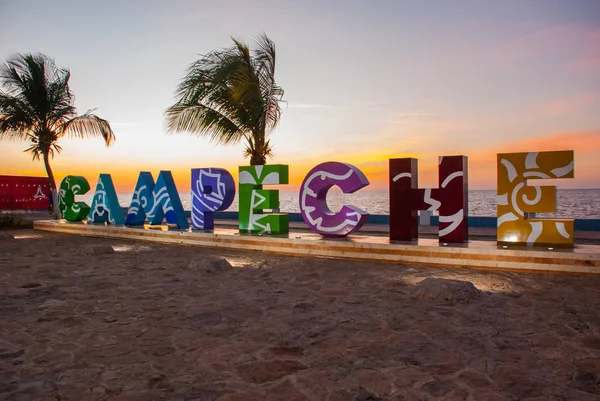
x=313, y=194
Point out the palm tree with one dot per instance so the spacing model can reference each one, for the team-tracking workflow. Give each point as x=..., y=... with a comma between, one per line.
x=36, y=105
x=230, y=95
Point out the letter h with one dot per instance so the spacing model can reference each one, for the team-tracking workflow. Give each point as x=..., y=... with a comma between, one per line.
x=450, y=199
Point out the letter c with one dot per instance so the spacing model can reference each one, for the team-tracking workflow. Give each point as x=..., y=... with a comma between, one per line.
x=313, y=194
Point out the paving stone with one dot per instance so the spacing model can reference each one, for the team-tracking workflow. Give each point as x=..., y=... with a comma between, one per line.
x=266, y=371
x=446, y=290
x=209, y=265
x=438, y=388
x=591, y=341
x=285, y=391
x=94, y=249
x=364, y=395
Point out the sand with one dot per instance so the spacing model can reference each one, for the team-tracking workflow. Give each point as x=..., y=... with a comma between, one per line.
x=152, y=322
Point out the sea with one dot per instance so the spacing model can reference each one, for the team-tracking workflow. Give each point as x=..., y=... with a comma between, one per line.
x=571, y=203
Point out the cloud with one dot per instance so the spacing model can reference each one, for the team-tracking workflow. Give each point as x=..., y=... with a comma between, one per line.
x=349, y=105
x=586, y=144
x=418, y=133
x=308, y=106
x=352, y=105
x=367, y=104
x=124, y=125
x=586, y=64
x=568, y=39
x=482, y=161
x=580, y=141
x=421, y=116
x=566, y=105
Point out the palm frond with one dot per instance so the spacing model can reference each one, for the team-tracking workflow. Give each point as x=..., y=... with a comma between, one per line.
x=37, y=104
x=10, y=73
x=230, y=95
x=61, y=99
x=35, y=150
x=41, y=89
x=272, y=93
x=16, y=119
x=88, y=125
x=25, y=76
x=256, y=156
x=202, y=120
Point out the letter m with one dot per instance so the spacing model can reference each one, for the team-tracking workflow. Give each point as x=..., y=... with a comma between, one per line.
x=156, y=202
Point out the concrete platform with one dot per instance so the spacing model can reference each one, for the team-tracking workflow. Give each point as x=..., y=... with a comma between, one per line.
x=583, y=259
x=475, y=233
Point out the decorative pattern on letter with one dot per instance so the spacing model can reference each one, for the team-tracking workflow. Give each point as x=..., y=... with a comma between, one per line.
x=156, y=201
x=450, y=199
x=70, y=186
x=516, y=199
x=313, y=199
x=105, y=205
x=212, y=189
x=253, y=199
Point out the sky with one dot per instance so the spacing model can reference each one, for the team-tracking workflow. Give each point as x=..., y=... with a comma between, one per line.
x=364, y=81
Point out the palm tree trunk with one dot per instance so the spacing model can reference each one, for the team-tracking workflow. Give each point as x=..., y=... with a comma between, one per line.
x=257, y=160
x=53, y=191
x=258, y=157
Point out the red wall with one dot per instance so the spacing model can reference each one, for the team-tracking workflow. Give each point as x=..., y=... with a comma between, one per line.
x=24, y=193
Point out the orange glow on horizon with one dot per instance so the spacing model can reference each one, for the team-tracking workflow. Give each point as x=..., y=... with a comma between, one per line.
x=482, y=168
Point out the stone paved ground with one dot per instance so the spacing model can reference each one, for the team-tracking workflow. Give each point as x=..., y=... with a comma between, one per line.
x=143, y=323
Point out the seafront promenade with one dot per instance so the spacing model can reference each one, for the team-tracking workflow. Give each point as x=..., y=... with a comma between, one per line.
x=429, y=231
x=583, y=258
x=381, y=229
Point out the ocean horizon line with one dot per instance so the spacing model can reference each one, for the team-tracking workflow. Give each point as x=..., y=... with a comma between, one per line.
x=571, y=203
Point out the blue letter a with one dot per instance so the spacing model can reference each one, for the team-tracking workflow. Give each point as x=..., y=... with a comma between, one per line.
x=156, y=202
x=105, y=206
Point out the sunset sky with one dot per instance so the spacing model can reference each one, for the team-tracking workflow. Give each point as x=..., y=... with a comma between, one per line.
x=364, y=81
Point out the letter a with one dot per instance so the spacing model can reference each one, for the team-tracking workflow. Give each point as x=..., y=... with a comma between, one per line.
x=105, y=206
x=156, y=202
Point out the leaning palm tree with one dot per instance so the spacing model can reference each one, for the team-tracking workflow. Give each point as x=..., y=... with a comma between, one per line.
x=230, y=95
x=36, y=105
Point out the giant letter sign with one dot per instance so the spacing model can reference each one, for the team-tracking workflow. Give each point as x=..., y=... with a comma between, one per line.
x=253, y=199
x=156, y=202
x=313, y=203
x=212, y=189
x=70, y=186
x=105, y=206
x=450, y=199
x=516, y=198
